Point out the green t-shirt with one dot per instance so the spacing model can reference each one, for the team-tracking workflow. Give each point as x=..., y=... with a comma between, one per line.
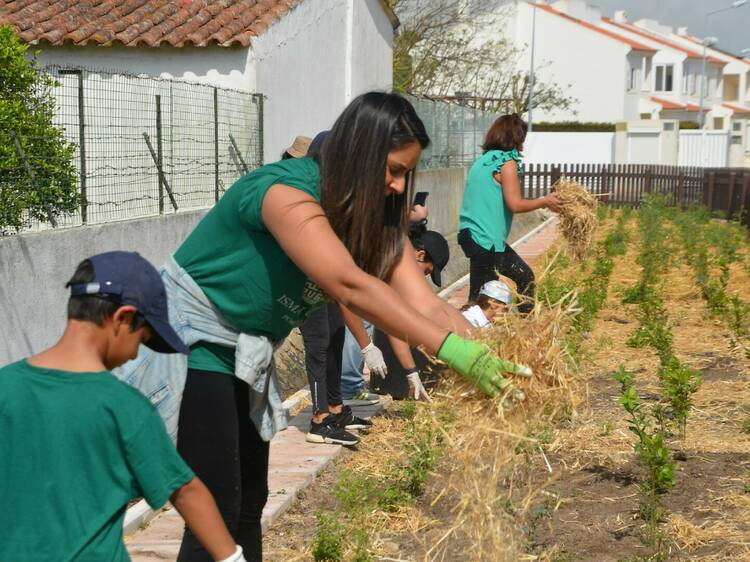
x=241, y=268
x=483, y=210
x=74, y=449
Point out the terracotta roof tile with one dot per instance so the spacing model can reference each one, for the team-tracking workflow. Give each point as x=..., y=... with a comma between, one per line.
x=136, y=22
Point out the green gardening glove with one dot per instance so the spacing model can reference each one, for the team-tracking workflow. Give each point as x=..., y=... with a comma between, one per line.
x=478, y=365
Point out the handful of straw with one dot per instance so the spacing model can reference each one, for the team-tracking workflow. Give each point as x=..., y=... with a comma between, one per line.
x=577, y=217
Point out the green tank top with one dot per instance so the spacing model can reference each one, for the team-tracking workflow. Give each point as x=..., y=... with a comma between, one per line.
x=483, y=210
x=241, y=268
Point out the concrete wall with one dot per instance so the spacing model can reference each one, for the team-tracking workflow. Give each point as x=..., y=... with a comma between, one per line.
x=312, y=62
x=35, y=267
x=570, y=148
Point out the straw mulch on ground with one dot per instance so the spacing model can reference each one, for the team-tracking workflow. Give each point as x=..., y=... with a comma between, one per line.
x=555, y=479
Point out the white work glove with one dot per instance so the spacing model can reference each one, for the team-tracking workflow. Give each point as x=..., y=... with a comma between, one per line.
x=236, y=557
x=374, y=360
x=416, y=389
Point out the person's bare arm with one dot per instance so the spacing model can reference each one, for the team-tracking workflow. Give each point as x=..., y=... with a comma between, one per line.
x=298, y=224
x=197, y=507
x=511, y=186
x=356, y=327
x=409, y=281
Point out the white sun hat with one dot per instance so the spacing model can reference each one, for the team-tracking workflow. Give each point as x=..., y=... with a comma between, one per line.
x=497, y=290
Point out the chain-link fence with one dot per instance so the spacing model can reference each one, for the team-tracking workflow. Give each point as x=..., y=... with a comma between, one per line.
x=147, y=146
x=456, y=131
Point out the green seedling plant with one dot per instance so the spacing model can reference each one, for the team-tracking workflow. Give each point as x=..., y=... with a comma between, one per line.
x=328, y=541
x=654, y=329
x=359, y=494
x=679, y=383
x=653, y=456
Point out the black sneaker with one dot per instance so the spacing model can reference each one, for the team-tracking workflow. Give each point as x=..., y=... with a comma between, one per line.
x=347, y=420
x=328, y=431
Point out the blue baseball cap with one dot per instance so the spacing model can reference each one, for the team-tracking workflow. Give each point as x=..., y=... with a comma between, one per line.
x=129, y=279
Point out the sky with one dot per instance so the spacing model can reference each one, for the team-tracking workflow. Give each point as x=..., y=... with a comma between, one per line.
x=731, y=27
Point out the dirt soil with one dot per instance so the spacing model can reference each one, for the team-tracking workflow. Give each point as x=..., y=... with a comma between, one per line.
x=587, y=507
x=597, y=476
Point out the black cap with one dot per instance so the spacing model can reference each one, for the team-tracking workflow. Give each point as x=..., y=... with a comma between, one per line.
x=317, y=142
x=132, y=280
x=436, y=247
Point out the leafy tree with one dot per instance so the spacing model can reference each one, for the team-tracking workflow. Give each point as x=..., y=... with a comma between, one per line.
x=42, y=185
x=439, y=50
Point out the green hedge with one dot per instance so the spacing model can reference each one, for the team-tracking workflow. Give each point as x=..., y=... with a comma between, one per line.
x=574, y=127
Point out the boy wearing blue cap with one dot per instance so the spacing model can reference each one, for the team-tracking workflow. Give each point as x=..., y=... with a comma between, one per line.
x=77, y=444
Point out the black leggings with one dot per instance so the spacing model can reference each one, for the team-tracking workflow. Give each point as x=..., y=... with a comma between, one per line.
x=485, y=265
x=323, y=334
x=219, y=442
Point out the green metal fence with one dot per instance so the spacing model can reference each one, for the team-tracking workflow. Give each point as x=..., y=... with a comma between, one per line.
x=457, y=132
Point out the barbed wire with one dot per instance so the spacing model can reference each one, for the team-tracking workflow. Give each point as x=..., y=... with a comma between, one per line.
x=195, y=131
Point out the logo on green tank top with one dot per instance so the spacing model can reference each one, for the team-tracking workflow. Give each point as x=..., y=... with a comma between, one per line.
x=312, y=294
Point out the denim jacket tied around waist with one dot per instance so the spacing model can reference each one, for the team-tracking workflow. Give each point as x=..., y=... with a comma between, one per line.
x=161, y=377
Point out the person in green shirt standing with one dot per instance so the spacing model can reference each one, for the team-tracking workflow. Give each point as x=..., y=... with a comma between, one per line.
x=76, y=444
x=280, y=242
x=493, y=194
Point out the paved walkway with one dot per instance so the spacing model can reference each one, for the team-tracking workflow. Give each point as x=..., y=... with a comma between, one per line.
x=294, y=463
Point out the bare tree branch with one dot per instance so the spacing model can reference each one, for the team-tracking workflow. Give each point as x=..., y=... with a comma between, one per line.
x=439, y=50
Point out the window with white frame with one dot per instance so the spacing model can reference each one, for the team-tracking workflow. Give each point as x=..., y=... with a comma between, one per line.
x=663, y=77
x=685, y=82
x=645, y=72
x=633, y=78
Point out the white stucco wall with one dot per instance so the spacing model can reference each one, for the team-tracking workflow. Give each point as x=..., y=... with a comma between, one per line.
x=227, y=67
x=594, y=65
x=312, y=62
x=569, y=148
x=372, y=48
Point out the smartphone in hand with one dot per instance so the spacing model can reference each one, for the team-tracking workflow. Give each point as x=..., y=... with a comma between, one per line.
x=420, y=198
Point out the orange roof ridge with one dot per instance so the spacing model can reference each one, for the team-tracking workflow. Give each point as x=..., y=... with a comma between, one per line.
x=653, y=37
x=633, y=44
x=736, y=108
x=666, y=104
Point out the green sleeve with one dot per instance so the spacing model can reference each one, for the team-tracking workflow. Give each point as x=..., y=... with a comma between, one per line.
x=157, y=468
x=300, y=173
x=500, y=157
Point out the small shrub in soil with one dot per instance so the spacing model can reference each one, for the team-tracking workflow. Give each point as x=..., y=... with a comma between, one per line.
x=327, y=544
x=679, y=383
x=653, y=456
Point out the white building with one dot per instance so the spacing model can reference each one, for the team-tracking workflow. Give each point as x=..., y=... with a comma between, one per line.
x=622, y=70
x=308, y=58
x=634, y=71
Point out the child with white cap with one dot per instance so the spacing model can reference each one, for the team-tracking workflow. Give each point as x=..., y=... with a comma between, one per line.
x=494, y=299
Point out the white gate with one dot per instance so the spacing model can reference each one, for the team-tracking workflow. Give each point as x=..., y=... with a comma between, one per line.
x=704, y=148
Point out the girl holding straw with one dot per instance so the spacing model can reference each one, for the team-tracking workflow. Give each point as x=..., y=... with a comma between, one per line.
x=492, y=196
x=282, y=240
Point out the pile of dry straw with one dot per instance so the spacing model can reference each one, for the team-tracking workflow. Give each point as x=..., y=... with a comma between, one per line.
x=577, y=217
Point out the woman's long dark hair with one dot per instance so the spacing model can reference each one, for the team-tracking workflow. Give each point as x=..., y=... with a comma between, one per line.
x=352, y=162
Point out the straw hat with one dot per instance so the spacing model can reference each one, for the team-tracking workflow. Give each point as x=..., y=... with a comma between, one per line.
x=299, y=147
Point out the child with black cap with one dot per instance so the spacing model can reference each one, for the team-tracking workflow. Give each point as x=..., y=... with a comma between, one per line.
x=77, y=444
